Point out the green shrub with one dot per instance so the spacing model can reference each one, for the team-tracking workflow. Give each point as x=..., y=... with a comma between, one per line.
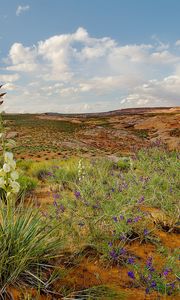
x=24, y=165
x=27, y=184
x=124, y=164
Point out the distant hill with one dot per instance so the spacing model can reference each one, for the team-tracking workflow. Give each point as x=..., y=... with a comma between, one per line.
x=125, y=111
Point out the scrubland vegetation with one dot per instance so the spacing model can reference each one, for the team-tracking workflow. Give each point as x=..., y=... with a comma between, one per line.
x=102, y=229
x=100, y=209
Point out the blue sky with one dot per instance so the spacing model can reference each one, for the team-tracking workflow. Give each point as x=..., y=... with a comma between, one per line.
x=83, y=56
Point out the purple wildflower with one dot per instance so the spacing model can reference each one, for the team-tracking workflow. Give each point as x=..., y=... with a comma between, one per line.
x=153, y=284
x=49, y=173
x=149, y=262
x=115, y=219
x=129, y=221
x=171, y=285
x=131, y=274
x=166, y=272
x=141, y=200
x=110, y=244
x=123, y=237
x=146, y=232
x=131, y=260
x=136, y=219
x=121, y=217
x=147, y=290
x=56, y=196
x=55, y=203
x=149, y=277
x=62, y=208
x=113, y=254
x=77, y=194
x=122, y=251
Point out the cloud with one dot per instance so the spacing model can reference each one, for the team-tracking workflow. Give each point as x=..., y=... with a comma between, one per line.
x=22, y=8
x=22, y=58
x=177, y=43
x=160, y=46
x=7, y=78
x=75, y=71
x=165, y=92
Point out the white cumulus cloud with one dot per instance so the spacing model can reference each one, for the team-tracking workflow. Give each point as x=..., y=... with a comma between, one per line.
x=73, y=72
x=21, y=8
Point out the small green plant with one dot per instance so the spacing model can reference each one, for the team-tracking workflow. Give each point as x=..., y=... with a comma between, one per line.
x=141, y=133
x=124, y=163
x=27, y=184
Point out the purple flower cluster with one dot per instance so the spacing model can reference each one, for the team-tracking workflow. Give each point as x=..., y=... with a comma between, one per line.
x=115, y=219
x=141, y=200
x=56, y=196
x=123, y=237
x=166, y=271
x=116, y=254
x=113, y=254
x=96, y=206
x=149, y=264
x=151, y=279
x=129, y=221
x=170, y=287
x=77, y=194
x=146, y=231
x=121, y=218
x=136, y=219
x=49, y=173
x=131, y=260
x=131, y=274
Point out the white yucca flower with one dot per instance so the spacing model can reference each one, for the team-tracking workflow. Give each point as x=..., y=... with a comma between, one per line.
x=8, y=156
x=14, y=175
x=6, y=168
x=14, y=185
x=8, y=174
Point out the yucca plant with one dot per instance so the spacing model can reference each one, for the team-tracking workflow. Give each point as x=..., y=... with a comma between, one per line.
x=27, y=245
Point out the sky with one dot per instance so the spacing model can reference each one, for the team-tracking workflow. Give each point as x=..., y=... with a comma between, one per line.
x=74, y=56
